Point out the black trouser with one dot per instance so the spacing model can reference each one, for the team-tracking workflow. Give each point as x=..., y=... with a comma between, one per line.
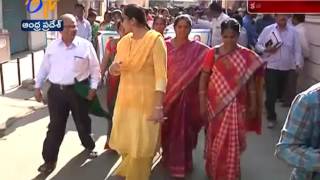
x=276, y=81
x=62, y=100
x=291, y=87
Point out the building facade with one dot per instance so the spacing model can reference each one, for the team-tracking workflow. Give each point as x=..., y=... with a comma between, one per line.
x=311, y=73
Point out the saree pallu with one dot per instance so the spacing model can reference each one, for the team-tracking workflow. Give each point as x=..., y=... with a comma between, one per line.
x=228, y=104
x=181, y=106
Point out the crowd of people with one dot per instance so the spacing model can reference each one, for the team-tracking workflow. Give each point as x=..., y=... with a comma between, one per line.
x=163, y=91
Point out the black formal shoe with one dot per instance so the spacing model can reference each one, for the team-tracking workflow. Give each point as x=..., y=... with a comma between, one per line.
x=47, y=167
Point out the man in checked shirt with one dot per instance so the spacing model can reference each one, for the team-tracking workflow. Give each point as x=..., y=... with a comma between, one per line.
x=299, y=144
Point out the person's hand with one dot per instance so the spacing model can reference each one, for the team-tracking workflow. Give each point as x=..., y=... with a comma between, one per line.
x=157, y=115
x=204, y=107
x=38, y=95
x=91, y=94
x=114, y=69
x=271, y=49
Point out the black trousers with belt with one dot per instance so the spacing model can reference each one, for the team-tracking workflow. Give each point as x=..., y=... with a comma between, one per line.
x=62, y=100
x=276, y=81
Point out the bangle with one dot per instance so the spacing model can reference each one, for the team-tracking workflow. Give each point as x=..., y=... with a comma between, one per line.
x=158, y=107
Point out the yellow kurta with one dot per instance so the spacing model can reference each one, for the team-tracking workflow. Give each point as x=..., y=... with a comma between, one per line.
x=132, y=134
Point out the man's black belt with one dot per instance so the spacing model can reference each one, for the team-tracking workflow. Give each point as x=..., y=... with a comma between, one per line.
x=67, y=86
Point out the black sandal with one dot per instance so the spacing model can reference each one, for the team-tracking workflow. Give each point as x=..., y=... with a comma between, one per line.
x=91, y=154
x=47, y=167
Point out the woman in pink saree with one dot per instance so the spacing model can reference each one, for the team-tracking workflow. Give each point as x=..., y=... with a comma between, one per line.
x=230, y=98
x=181, y=105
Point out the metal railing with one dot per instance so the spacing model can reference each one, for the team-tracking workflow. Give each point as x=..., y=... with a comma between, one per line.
x=18, y=69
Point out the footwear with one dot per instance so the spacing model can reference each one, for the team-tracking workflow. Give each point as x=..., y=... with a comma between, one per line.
x=91, y=154
x=47, y=167
x=271, y=124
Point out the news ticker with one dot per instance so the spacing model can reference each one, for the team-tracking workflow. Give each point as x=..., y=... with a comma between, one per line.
x=284, y=6
x=41, y=25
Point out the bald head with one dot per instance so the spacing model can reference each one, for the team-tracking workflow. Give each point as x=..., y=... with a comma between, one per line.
x=68, y=17
x=69, y=27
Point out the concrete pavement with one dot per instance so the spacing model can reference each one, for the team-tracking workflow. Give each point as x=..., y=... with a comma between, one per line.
x=21, y=149
x=16, y=105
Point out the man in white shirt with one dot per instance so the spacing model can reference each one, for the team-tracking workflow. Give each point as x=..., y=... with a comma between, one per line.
x=294, y=78
x=84, y=26
x=280, y=60
x=67, y=60
x=216, y=16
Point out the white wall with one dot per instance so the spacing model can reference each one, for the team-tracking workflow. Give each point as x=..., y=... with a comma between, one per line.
x=311, y=72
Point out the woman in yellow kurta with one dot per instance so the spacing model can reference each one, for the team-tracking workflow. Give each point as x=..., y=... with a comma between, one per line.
x=141, y=62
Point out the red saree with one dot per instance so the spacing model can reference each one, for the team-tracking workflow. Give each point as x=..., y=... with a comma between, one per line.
x=228, y=105
x=112, y=81
x=181, y=106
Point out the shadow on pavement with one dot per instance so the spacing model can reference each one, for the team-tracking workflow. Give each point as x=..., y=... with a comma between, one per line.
x=41, y=176
x=96, y=124
x=81, y=168
x=20, y=93
x=24, y=120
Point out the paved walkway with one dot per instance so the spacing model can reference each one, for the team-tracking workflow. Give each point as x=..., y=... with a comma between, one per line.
x=21, y=149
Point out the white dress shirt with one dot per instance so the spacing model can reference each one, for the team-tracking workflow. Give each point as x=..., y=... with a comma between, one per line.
x=62, y=64
x=216, y=28
x=289, y=54
x=84, y=29
x=243, y=37
x=301, y=29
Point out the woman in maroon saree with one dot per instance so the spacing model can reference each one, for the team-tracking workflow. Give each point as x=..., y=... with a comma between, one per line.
x=230, y=98
x=181, y=105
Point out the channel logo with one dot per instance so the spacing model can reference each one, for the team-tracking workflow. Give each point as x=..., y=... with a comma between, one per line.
x=42, y=25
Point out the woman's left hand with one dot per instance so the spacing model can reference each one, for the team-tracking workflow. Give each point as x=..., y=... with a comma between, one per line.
x=157, y=116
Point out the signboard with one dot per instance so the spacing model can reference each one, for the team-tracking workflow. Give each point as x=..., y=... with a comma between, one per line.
x=34, y=6
x=103, y=38
x=203, y=35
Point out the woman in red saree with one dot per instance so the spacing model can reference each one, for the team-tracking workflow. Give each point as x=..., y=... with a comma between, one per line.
x=181, y=104
x=112, y=81
x=230, y=99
